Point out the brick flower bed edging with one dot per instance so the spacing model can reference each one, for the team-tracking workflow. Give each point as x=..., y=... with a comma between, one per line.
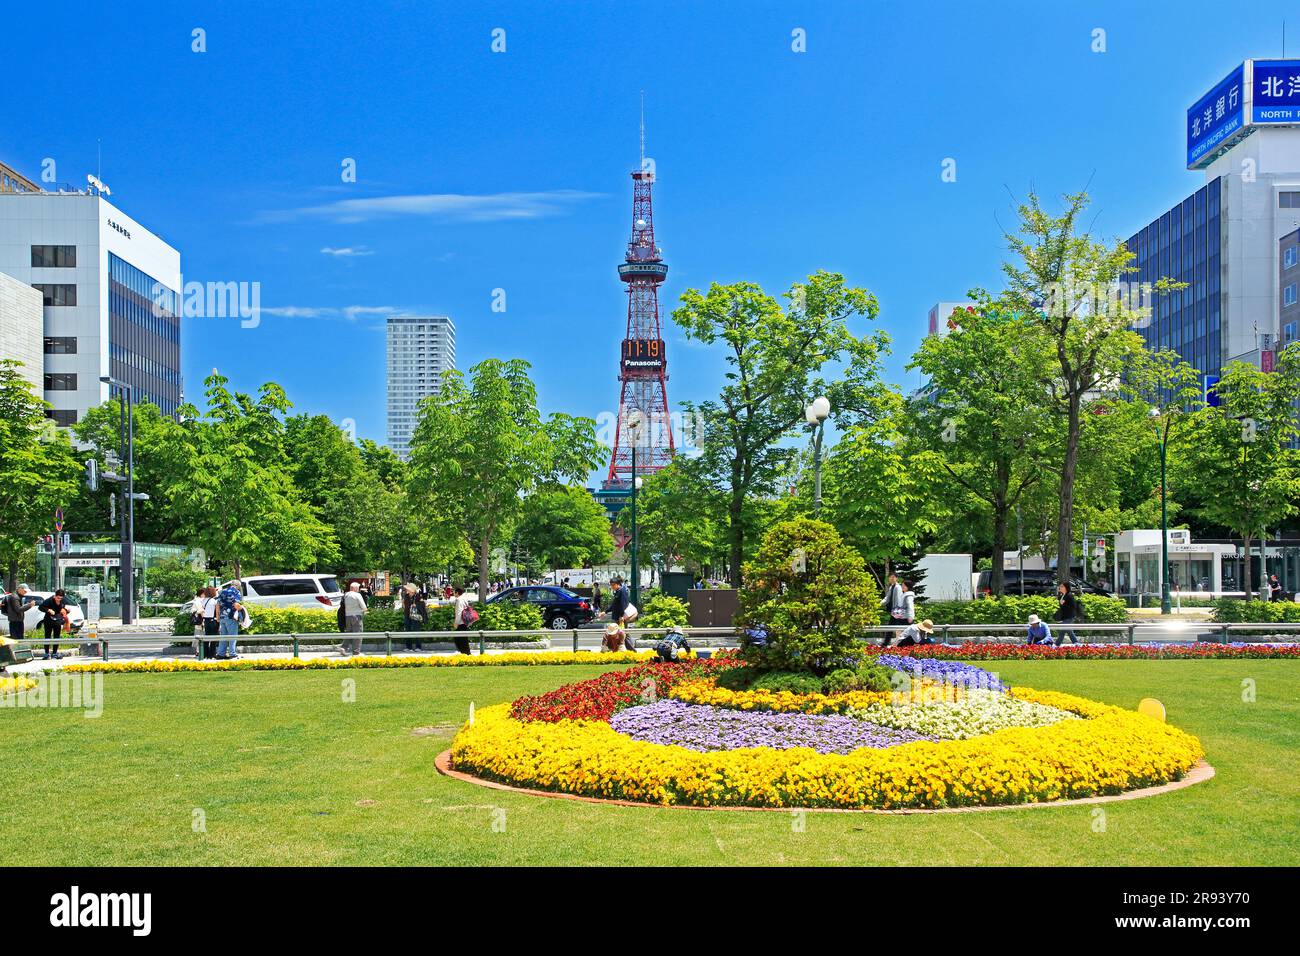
x=1201, y=772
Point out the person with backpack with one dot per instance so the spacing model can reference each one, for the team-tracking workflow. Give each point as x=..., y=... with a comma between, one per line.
x=899, y=604
x=1068, y=610
x=229, y=608
x=465, y=616
x=415, y=613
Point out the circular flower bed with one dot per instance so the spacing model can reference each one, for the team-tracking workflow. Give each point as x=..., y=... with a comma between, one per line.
x=665, y=733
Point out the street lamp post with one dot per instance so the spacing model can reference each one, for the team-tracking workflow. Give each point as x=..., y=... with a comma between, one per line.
x=126, y=559
x=816, y=413
x=1162, y=433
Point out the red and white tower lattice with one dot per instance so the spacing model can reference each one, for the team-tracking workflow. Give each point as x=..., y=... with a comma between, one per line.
x=643, y=365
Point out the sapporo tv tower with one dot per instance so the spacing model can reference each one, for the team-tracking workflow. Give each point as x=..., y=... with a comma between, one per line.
x=643, y=420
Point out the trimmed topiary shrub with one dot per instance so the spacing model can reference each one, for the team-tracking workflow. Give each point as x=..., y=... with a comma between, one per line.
x=1014, y=609
x=794, y=682
x=810, y=592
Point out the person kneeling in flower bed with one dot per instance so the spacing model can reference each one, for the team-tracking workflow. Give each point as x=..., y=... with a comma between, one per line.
x=673, y=642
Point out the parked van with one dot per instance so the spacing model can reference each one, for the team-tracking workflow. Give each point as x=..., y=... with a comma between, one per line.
x=291, y=590
x=1036, y=582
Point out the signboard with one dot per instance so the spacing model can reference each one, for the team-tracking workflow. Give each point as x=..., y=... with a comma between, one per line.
x=58, y=519
x=90, y=562
x=91, y=595
x=1209, y=391
x=1266, y=360
x=1216, y=118
x=1275, y=88
x=643, y=354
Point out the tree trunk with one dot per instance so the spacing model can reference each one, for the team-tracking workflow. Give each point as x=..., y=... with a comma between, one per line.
x=1246, y=539
x=1065, y=521
x=997, y=575
x=484, y=553
x=736, y=512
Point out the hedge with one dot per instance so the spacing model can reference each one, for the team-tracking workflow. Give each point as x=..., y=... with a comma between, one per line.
x=1015, y=609
x=662, y=610
x=302, y=620
x=1236, y=611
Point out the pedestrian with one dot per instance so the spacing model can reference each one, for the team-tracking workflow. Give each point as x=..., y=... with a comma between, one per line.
x=899, y=610
x=196, y=619
x=229, y=607
x=447, y=592
x=414, y=615
x=621, y=609
x=464, y=615
x=595, y=595
x=917, y=633
x=1067, y=612
x=15, y=607
x=1037, y=631
x=1275, y=588
x=613, y=638
x=354, y=616
x=208, y=612
x=55, y=620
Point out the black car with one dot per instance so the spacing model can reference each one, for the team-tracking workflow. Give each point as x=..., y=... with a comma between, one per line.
x=1036, y=582
x=561, y=608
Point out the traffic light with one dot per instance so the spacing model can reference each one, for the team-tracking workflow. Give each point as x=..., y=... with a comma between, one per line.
x=92, y=474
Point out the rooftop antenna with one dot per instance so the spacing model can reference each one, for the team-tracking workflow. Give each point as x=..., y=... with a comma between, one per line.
x=99, y=155
x=643, y=129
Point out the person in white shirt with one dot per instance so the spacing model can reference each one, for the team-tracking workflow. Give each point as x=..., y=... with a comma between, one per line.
x=354, y=615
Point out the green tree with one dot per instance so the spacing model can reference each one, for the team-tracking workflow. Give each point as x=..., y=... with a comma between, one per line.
x=38, y=471
x=680, y=516
x=884, y=490
x=564, y=526
x=811, y=593
x=776, y=358
x=985, y=411
x=235, y=496
x=481, y=446
x=1241, y=451
x=173, y=580
x=1069, y=282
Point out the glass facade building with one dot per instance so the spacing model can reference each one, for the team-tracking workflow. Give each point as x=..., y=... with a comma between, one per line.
x=144, y=335
x=1186, y=244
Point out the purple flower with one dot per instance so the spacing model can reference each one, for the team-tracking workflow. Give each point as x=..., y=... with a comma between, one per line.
x=944, y=671
x=706, y=728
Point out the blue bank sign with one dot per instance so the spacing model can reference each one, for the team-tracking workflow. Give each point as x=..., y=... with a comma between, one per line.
x=1216, y=118
x=1275, y=89
x=1257, y=93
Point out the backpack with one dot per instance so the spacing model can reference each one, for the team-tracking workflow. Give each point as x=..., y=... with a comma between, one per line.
x=469, y=616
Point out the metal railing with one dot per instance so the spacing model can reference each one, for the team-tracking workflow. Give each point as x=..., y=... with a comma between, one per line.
x=726, y=636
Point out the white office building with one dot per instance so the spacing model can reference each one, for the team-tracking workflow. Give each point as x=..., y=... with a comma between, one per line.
x=109, y=291
x=421, y=348
x=22, y=328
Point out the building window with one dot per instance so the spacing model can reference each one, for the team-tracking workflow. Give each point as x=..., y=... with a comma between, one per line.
x=63, y=417
x=54, y=257
x=1288, y=200
x=60, y=345
x=60, y=381
x=62, y=294
x=1289, y=257
x=1288, y=333
x=1288, y=295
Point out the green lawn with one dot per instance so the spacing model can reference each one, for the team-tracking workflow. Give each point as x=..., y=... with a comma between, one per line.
x=284, y=771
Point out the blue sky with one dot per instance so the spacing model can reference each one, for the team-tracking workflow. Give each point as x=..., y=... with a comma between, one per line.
x=770, y=163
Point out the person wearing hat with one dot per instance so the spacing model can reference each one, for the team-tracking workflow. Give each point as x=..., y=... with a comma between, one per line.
x=918, y=633
x=620, y=601
x=613, y=638
x=1037, y=631
x=673, y=641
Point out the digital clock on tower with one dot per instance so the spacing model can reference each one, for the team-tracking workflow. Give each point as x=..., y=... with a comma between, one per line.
x=643, y=353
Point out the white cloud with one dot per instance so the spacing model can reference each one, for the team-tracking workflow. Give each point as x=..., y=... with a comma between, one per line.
x=349, y=312
x=348, y=251
x=490, y=207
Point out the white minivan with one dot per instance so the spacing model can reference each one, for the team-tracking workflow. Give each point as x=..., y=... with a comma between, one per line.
x=320, y=591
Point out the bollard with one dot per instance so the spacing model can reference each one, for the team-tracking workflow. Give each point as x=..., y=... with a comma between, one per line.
x=388, y=643
x=1131, y=628
x=481, y=648
x=1223, y=634
x=945, y=632
x=575, y=640
x=201, y=648
x=295, y=645
x=104, y=648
